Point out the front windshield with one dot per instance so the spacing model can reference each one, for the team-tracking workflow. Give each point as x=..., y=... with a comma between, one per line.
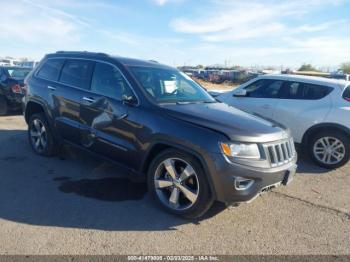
x=170, y=86
x=18, y=72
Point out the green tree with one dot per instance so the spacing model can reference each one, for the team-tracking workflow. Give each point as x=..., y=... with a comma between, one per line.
x=307, y=67
x=346, y=68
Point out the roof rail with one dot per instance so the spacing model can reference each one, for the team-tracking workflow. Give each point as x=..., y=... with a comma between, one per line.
x=81, y=52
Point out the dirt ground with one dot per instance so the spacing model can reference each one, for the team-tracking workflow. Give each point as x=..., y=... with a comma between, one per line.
x=226, y=86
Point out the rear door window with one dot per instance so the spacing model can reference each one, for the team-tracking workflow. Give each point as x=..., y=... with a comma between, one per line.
x=304, y=91
x=77, y=73
x=50, y=70
x=292, y=90
x=108, y=81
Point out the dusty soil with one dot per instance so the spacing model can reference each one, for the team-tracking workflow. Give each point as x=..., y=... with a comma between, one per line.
x=213, y=86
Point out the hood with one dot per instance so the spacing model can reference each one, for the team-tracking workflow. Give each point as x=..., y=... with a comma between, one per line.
x=234, y=123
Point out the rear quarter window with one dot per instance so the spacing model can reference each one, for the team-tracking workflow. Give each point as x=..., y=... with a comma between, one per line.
x=315, y=92
x=304, y=91
x=50, y=70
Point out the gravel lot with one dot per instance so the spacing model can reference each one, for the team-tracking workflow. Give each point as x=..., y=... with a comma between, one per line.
x=80, y=205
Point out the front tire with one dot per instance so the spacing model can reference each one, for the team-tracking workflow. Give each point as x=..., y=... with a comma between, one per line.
x=330, y=149
x=178, y=183
x=40, y=136
x=3, y=106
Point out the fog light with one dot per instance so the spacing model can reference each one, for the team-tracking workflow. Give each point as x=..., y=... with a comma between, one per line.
x=243, y=183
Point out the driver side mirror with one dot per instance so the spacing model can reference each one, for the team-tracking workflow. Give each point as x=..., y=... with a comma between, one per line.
x=129, y=100
x=240, y=93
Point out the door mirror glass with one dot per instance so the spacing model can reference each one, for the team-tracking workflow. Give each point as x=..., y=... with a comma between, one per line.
x=240, y=93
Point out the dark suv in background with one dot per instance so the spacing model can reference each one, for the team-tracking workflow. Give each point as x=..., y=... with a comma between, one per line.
x=11, y=88
x=156, y=123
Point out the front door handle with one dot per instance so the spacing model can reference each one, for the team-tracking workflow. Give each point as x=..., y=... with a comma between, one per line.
x=51, y=88
x=88, y=99
x=266, y=107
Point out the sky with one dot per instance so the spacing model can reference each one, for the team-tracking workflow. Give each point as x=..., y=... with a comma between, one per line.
x=182, y=32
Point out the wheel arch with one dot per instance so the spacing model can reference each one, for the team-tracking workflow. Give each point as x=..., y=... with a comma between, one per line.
x=160, y=146
x=34, y=107
x=324, y=127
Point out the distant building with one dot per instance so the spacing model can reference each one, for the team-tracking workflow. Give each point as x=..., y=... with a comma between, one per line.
x=29, y=64
x=22, y=62
x=8, y=61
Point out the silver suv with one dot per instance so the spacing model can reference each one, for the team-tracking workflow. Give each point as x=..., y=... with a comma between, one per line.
x=316, y=110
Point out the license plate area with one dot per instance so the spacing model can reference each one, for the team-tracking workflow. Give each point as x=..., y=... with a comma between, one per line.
x=289, y=176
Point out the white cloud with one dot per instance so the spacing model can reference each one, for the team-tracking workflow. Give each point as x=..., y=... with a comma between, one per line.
x=245, y=32
x=160, y=2
x=230, y=20
x=327, y=49
x=267, y=32
x=45, y=27
x=29, y=23
x=163, y=2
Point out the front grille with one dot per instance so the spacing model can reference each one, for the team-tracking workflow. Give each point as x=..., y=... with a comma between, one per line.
x=280, y=152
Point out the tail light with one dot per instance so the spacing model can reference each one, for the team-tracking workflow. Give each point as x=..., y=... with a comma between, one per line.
x=25, y=89
x=16, y=89
x=346, y=94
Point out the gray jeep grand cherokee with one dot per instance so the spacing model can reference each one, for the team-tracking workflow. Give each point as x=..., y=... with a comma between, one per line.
x=156, y=123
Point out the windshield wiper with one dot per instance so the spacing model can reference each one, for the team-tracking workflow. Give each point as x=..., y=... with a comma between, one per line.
x=185, y=102
x=194, y=102
x=209, y=102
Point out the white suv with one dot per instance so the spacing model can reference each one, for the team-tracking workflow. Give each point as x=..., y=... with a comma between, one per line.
x=317, y=110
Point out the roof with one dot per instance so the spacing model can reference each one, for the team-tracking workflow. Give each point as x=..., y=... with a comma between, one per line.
x=123, y=60
x=15, y=67
x=139, y=62
x=311, y=79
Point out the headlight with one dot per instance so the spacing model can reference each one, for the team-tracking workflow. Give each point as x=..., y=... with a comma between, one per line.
x=239, y=150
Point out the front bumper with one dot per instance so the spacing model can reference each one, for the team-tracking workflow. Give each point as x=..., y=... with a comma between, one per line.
x=227, y=176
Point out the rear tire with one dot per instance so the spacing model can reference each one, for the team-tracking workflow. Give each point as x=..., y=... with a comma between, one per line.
x=40, y=136
x=192, y=197
x=3, y=106
x=329, y=149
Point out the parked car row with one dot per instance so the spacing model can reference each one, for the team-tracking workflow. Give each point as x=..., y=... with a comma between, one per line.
x=11, y=87
x=219, y=75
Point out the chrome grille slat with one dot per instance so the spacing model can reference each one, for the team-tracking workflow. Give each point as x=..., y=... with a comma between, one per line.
x=280, y=152
x=284, y=150
x=288, y=150
x=274, y=154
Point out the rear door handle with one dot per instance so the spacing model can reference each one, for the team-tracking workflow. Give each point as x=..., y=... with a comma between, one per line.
x=51, y=88
x=122, y=116
x=266, y=106
x=88, y=99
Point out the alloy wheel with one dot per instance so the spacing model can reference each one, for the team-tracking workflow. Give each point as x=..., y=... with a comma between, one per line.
x=329, y=150
x=38, y=135
x=176, y=184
